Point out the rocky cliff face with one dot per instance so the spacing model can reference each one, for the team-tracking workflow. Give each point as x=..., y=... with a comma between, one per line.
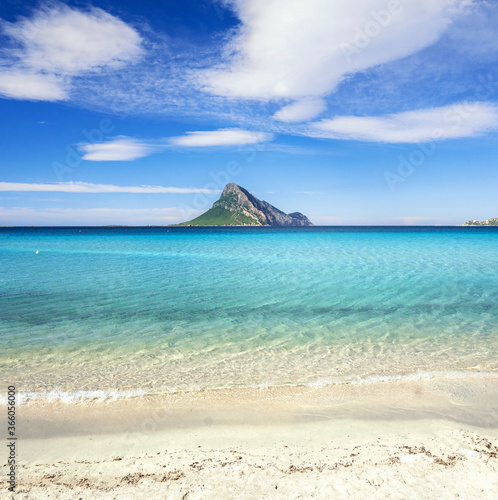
x=237, y=207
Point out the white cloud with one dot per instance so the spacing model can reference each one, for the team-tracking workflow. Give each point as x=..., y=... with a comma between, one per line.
x=448, y=122
x=58, y=42
x=29, y=85
x=95, y=216
x=305, y=48
x=301, y=110
x=128, y=148
x=59, y=39
x=119, y=149
x=86, y=187
x=222, y=137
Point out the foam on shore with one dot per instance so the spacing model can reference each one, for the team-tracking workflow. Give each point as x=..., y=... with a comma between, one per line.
x=82, y=396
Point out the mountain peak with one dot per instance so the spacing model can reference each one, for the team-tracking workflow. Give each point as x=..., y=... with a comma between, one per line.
x=238, y=207
x=231, y=187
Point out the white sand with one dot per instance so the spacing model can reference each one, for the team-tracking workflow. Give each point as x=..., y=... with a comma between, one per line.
x=405, y=440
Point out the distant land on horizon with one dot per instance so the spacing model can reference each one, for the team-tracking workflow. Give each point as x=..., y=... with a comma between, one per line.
x=237, y=207
x=488, y=222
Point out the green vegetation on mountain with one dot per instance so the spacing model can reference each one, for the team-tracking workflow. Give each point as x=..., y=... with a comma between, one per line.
x=220, y=216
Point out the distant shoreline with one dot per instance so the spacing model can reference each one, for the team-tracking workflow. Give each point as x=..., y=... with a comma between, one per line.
x=249, y=225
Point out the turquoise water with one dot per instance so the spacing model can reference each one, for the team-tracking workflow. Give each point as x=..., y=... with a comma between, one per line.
x=157, y=309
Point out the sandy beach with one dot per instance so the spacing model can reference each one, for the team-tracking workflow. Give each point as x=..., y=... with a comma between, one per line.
x=429, y=438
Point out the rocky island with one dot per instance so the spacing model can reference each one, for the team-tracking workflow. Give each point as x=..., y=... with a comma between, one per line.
x=238, y=207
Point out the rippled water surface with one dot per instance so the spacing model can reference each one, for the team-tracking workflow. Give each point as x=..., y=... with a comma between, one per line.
x=154, y=309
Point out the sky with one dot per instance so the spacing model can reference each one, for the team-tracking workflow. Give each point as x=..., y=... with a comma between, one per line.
x=373, y=112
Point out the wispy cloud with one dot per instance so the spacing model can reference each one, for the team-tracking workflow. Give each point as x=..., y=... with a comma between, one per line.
x=448, y=122
x=288, y=149
x=321, y=44
x=283, y=64
x=118, y=149
x=58, y=43
x=94, y=216
x=85, y=187
x=222, y=137
x=300, y=111
x=124, y=148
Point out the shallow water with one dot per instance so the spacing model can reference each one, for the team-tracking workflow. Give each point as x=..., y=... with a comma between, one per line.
x=159, y=309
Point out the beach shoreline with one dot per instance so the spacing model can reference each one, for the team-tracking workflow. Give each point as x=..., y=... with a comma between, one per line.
x=406, y=439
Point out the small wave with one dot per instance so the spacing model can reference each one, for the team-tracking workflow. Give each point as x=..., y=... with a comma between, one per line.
x=409, y=377
x=113, y=395
x=73, y=397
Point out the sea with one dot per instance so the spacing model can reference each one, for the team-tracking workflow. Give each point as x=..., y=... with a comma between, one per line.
x=100, y=313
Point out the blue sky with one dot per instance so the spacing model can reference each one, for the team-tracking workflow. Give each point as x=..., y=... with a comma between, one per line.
x=366, y=112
